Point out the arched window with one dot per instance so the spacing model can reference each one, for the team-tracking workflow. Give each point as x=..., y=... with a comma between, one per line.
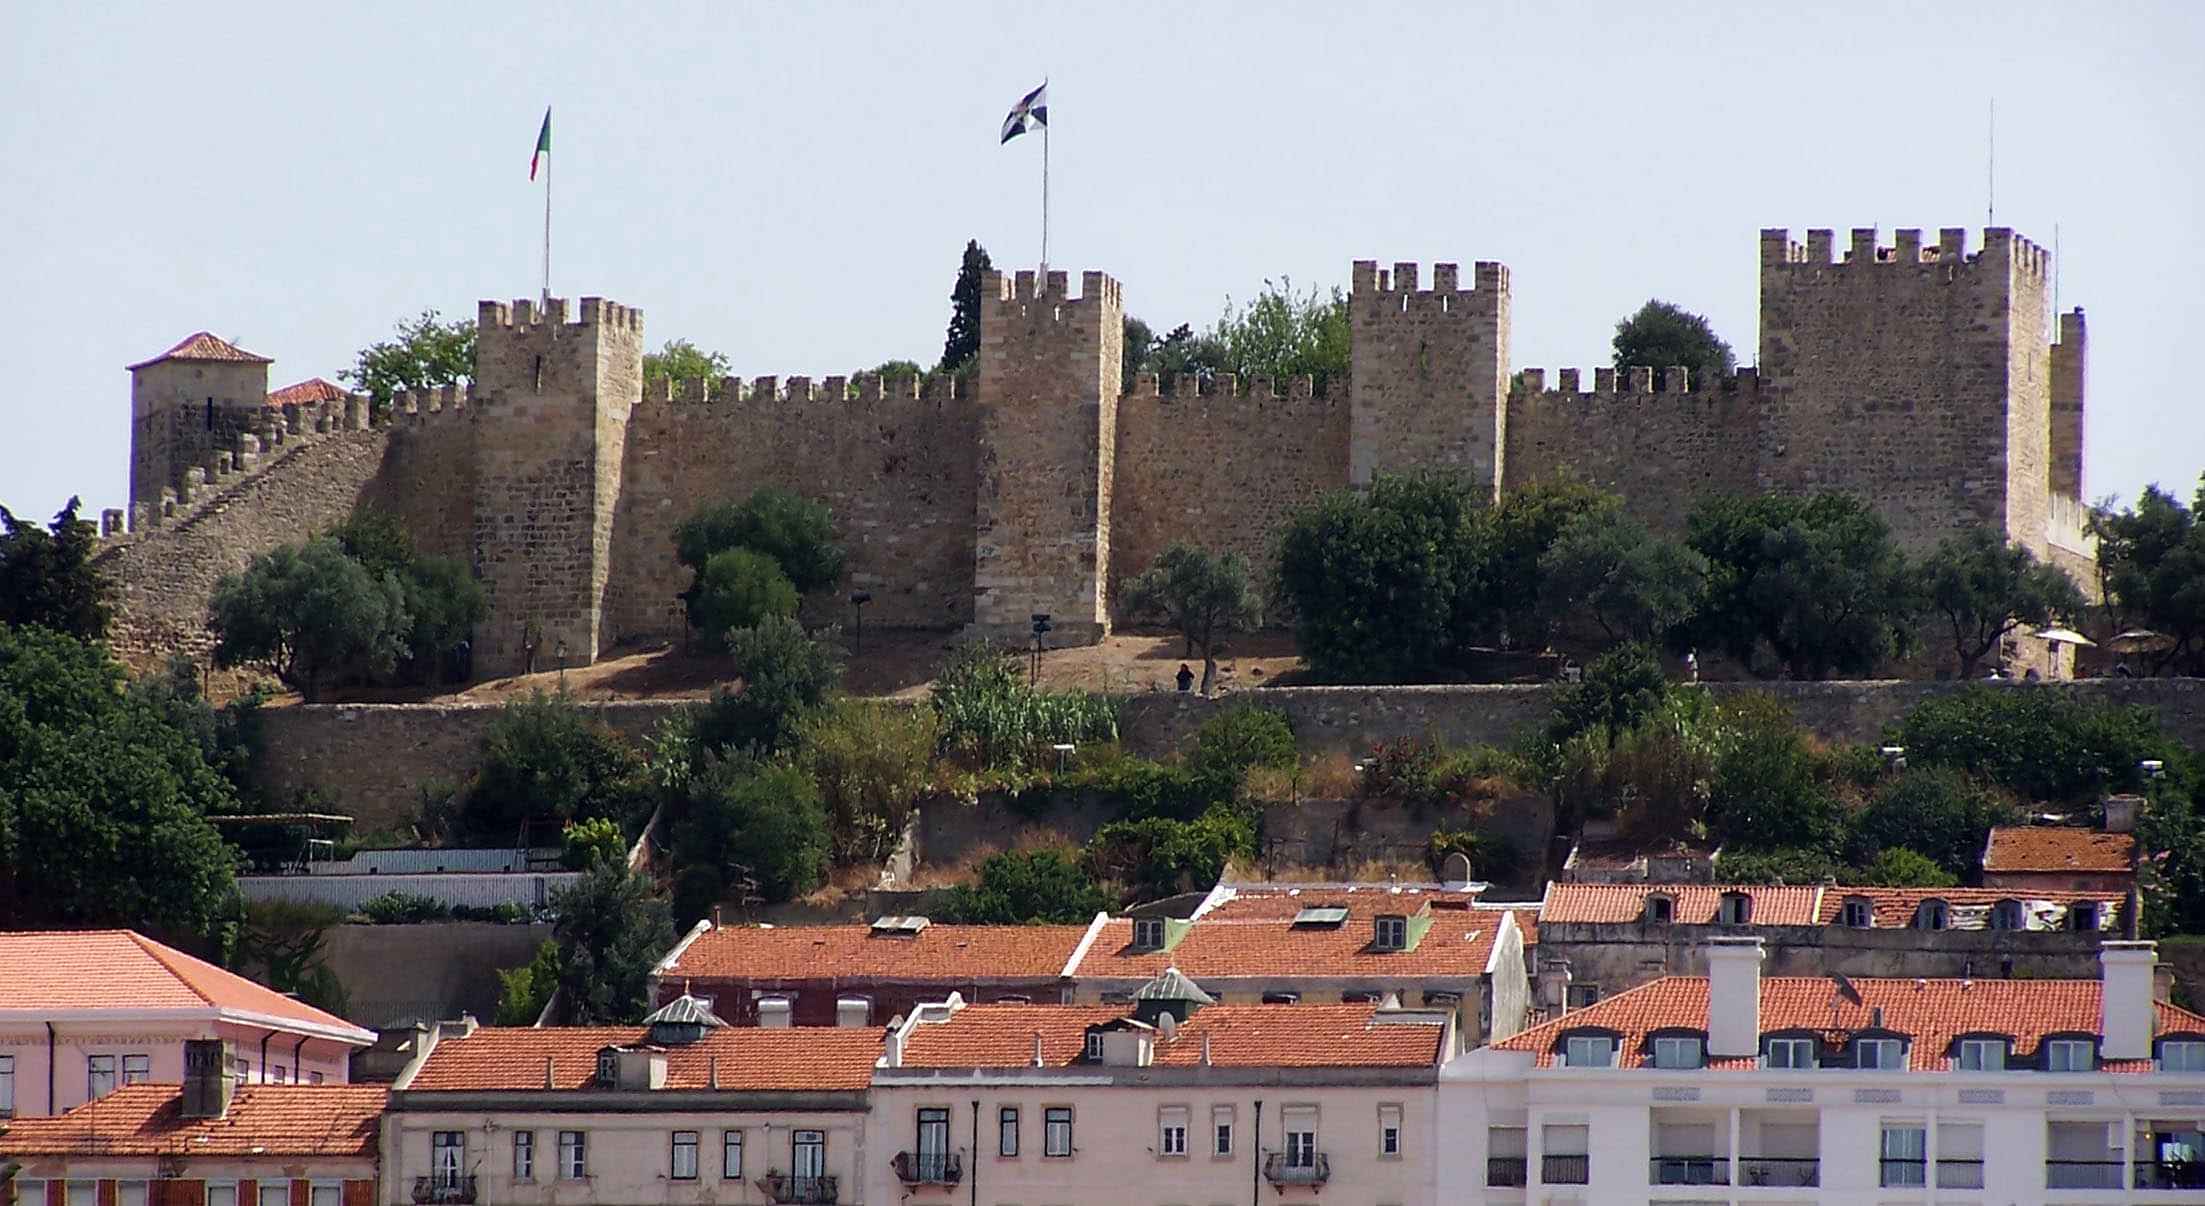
x=1736, y=908
x=1857, y=913
x=2006, y=915
x=1932, y=914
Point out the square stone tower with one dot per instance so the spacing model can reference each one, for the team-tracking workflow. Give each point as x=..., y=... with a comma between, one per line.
x=1430, y=380
x=1049, y=376
x=187, y=405
x=550, y=406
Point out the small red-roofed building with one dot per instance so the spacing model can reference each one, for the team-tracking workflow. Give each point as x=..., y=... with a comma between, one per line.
x=1840, y=1089
x=86, y=1012
x=2059, y=858
x=309, y=392
x=187, y=406
x=1169, y=1098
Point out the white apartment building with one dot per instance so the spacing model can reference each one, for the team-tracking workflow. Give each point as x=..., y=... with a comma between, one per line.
x=1735, y=1088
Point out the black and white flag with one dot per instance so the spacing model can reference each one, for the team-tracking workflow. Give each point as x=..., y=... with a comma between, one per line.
x=1032, y=110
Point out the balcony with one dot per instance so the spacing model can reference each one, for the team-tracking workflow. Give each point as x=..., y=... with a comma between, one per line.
x=1690, y=1170
x=445, y=1188
x=1959, y=1174
x=2083, y=1174
x=1780, y=1172
x=1565, y=1170
x=1506, y=1170
x=929, y=1168
x=1283, y=1169
x=809, y=1191
x=2170, y=1174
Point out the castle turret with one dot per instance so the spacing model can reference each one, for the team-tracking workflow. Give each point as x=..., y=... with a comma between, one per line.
x=550, y=406
x=187, y=405
x=1431, y=372
x=1049, y=377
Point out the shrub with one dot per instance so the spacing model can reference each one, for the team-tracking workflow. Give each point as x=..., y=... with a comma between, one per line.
x=1778, y=866
x=784, y=673
x=2041, y=744
x=987, y=713
x=398, y=907
x=315, y=615
x=738, y=589
x=1242, y=738
x=612, y=927
x=547, y=762
x=1769, y=788
x=1937, y=812
x=588, y=843
x=524, y=991
x=1159, y=856
x=1038, y=887
x=1621, y=688
x=756, y=827
x=1145, y=789
x=870, y=760
x=1376, y=580
x=1899, y=867
x=795, y=532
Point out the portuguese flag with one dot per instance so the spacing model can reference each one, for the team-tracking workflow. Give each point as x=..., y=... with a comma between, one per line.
x=543, y=145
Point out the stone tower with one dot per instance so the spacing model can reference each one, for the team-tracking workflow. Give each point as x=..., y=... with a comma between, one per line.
x=550, y=406
x=1918, y=376
x=187, y=405
x=1430, y=381
x=1049, y=377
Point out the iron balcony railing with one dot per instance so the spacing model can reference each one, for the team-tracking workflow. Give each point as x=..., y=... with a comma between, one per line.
x=1690, y=1170
x=1780, y=1172
x=799, y=1191
x=1283, y=1168
x=2170, y=1174
x=1565, y=1170
x=2083, y=1174
x=1507, y=1170
x=453, y=1188
x=929, y=1168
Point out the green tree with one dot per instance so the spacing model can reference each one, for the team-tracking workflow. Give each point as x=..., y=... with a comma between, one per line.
x=524, y=991
x=1661, y=335
x=681, y=360
x=746, y=823
x=1620, y=690
x=1241, y=738
x=2151, y=567
x=1205, y=596
x=427, y=352
x=47, y=576
x=784, y=673
x=1510, y=541
x=312, y=613
x=1377, y=580
x=797, y=533
x=1158, y=856
x=1636, y=586
x=1778, y=866
x=286, y=943
x=1770, y=790
x=1817, y=580
x=546, y=762
x=1281, y=335
x=1984, y=588
x=2172, y=876
x=612, y=927
x=871, y=760
x=1939, y=813
x=584, y=844
x=2041, y=745
x=443, y=602
x=961, y=346
x=1034, y=887
x=103, y=802
x=1899, y=867
x=737, y=589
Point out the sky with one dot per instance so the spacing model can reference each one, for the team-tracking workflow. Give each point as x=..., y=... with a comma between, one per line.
x=792, y=184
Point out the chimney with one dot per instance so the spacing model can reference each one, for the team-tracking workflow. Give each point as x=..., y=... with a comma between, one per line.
x=1734, y=997
x=2125, y=1011
x=207, y=1083
x=2120, y=813
x=715, y=917
x=551, y=1074
x=1205, y=1048
x=712, y=1072
x=1039, y=1062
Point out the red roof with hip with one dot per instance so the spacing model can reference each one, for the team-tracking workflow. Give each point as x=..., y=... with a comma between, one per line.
x=1694, y=904
x=307, y=392
x=1254, y=934
x=263, y=1121
x=955, y=954
x=54, y=971
x=1238, y=1036
x=204, y=345
x=2058, y=848
x=515, y=1058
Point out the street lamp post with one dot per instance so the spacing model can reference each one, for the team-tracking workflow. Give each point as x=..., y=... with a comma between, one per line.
x=1041, y=629
x=858, y=600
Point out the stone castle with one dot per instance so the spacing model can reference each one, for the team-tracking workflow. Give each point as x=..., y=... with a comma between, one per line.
x=1923, y=376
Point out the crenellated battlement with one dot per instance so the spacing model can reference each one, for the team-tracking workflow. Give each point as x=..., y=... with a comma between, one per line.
x=1025, y=287
x=522, y=313
x=864, y=390
x=1257, y=390
x=1376, y=290
x=419, y=407
x=2000, y=244
x=1530, y=384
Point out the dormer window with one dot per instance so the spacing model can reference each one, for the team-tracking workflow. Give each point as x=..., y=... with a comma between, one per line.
x=1735, y=908
x=1979, y=1055
x=2182, y=1055
x=1678, y=1051
x=608, y=1068
x=1856, y=913
x=2006, y=915
x=1661, y=909
x=1932, y=914
x=2070, y=1055
x=2083, y=915
x=1589, y=1051
x=1148, y=933
x=1881, y=1053
x=1789, y=1053
x=1092, y=1052
x=1390, y=933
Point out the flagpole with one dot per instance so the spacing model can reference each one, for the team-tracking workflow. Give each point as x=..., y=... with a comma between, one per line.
x=547, y=228
x=1045, y=194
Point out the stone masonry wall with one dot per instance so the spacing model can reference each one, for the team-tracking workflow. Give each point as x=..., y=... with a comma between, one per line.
x=895, y=469
x=1220, y=467
x=1431, y=372
x=1662, y=451
x=184, y=413
x=2069, y=360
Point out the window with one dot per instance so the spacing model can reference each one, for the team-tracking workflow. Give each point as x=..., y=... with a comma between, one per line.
x=1390, y=933
x=1056, y=1131
x=1905, y=1154
x=326, y=1193
x=1677, y=1051
x=808, y=1155
x=1092, y=1052
x=608, y=1068
x=99, y=1075
x=1301, y=1136
x=277, y=1075
x=1660, y=909
x=1578, y=996
x=524, y=1155
x=2182, y=1055
x=33, y=1193
x=1221, y=1130
x=682, y=1159
x=1857, y=914
x=2070, y=1055
x=1736, y=908
x=275, y=1193
x=219, y=1193
x=2083, y=915
x=1931, y=915
x=1006, y=1131
x=1389, y=1132
x=137, y=1069
x=2006, y=915
x=1171, y=1131
x=1980, y=1055
x=1282, y=998
x=84, y=1193
x=1879, y=1053
x=129, y=1193
x=1790, y=1053
x=731, y=1155
x=933, y=1144
x=574, y=1155
x=314, y=1078
x=7, y=1086
x=1148, y=933
x=1589, y=1051
x=448, y=1162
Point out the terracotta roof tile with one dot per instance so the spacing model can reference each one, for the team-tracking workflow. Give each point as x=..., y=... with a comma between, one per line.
x=1894, y=908
x=2058, y=848
x=1240, y=1036
x=1696, y=904
x=204, y=345
x=1526, y=915
x=1261, y=939
x=54, y=970
x=1257, y=901
x=263, y=1120
x=953, y=954
x=511, y=1058
x=307, y=392
x=1931, y=1012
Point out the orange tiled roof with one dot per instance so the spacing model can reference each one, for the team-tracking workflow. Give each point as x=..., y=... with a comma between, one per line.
x=307, y=392
x=263, y=1120
x=512, y=1058
x=1527, y=919
x=204, y=345
x=1241, y=1036
x=1931, y=1012
x=1259, y=901
x=52, y=971
x=1893, y=908
x=1227, y=943
x=1696, y=903
x=2058, y=848
x=955, y=954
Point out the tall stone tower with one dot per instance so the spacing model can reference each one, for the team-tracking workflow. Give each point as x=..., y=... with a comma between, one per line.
x=1917, y=376
x=188, y=404
x=1049, y=378
x=1431, y=372
x=550, y=407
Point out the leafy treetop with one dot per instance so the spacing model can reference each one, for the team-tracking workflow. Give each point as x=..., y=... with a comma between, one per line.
x=1661, y=335
x=427, y=352
x=47, y=576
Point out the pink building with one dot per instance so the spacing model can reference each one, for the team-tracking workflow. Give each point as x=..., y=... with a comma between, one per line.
x=83, y=1013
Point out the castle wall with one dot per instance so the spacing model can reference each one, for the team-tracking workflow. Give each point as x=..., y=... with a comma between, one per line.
x=2028, y=391
x=427, y=478
x=896, y=470
x=1662, y=451
x=1431, y=372
x=2069, y=361
x=1220, y=468
x=186, y=413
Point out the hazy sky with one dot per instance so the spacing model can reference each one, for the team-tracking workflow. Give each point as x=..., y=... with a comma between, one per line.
x=792, y=185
